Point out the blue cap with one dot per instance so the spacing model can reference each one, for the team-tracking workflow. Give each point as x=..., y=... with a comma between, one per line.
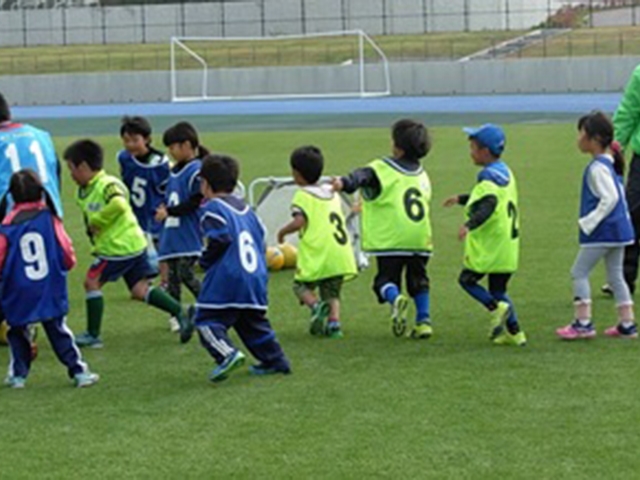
x=489, y=135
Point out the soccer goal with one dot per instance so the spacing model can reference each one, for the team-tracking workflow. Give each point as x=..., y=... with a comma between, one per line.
x=271, y=199
x=315, y=65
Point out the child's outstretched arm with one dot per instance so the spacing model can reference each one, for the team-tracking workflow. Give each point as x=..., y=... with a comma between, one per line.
x=360, y=178
x=296, y=224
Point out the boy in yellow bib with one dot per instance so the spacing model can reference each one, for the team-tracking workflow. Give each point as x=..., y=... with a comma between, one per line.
x=325, y=255
x=395, y=223
x=491, y=233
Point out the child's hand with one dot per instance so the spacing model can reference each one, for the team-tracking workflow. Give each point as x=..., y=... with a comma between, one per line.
x=161, y=213
x=463, y=232
x=336, y=183
x=451, y=201
x=281, y=237
x=93, y=230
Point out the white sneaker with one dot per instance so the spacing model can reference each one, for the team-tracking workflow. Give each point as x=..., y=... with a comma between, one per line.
x=174, y=325
x=85, y=379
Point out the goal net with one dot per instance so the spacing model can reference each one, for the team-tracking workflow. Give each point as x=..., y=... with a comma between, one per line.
x=332, y=64
x=271, y=198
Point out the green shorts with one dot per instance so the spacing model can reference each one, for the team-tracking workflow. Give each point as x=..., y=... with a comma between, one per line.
x=329, y=288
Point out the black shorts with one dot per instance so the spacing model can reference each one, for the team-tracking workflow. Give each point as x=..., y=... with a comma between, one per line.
x=390, y=270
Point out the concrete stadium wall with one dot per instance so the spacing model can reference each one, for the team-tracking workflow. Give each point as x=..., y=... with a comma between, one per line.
x=560, y=75
x=157, y=23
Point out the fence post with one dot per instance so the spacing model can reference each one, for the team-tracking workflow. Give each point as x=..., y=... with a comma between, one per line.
x=384, y=17
x=24, y=28
x=507, y=14
x=591, y=13
x=64, y=25
x=465, y=14
x=143, y=21
x=425, y=17
x=303, y=16
x=222, y=20
x=262, y=19
x=182, y=19
x=343, y=13
x=103, y=27
x=633, y=14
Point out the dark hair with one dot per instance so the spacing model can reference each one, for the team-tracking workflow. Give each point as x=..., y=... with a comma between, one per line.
x=25, y=186
x=135, y=126
x=184, y=132
x=85, y=151
x=308, y=162
x=598, y=127
x=5, y=111
x=412, y=138
x=220, y=171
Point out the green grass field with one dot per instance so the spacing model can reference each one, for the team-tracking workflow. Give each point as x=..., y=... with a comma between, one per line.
x=369, y=405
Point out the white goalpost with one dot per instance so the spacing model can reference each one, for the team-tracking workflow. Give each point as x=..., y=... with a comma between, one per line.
x=314, y=65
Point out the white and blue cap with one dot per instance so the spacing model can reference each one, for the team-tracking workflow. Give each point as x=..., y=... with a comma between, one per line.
x=490, y=136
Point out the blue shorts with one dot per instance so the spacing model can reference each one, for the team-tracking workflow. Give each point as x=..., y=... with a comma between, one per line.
x=131, y=269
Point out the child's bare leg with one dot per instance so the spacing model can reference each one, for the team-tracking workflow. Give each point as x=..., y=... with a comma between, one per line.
x=305, y=294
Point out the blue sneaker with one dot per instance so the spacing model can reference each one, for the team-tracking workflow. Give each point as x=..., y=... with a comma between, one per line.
x=262, y=369
x=85, y=379
x=15, y=382
x=222, y=371
x=85, y=339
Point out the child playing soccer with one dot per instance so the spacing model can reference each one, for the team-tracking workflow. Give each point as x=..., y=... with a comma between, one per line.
x=180, y=242
x=118, y=242
x=35, y=255
x=234, y=291
x=145, y=172
x=605, y=230
x=491, y=233
x=395, y=223
x=325, y=256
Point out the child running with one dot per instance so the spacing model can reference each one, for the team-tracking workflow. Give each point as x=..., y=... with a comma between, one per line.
x=325, y=255
x=118, y=242
x=491, y=233
x=35, y=255
x=605, y=229
x=234, y=291
x=396, y=228
x=180, y=241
